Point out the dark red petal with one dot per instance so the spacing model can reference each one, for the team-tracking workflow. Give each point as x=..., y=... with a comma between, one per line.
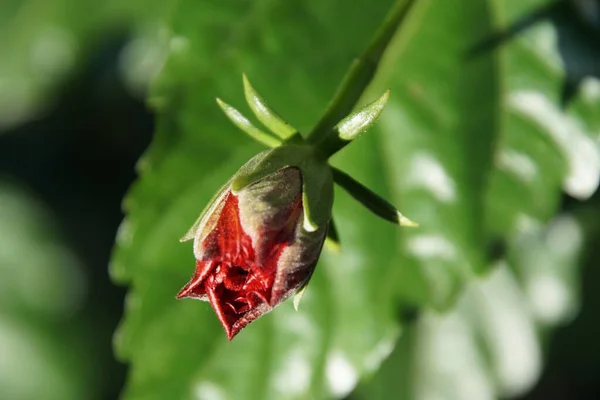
x=195, y=287
x=240, y=281
x=225, y=312
x=235, y=245
x=247, y=318
x=235, y=278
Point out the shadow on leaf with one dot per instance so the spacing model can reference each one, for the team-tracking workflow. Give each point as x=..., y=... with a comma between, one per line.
x=577, y=24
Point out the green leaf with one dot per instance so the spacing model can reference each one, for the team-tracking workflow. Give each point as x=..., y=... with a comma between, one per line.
x=449, y=150
x=42, y=286
x=177, y=349
x=471, y=352
x=541, y=150
x=42, y=42
x=543, y=147
x=435, y=144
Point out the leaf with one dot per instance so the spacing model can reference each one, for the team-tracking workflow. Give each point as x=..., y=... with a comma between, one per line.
x=491, y=344
x=440, y=152
x=43, y=42
x=541, y=150
x=41, y=290
x=177, y=348
x=436, y=138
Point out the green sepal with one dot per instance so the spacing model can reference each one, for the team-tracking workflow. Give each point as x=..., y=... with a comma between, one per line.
x=332, y=240
x=317, y=180
x=191, y=233
x=350, y=127
x=298, y=297
x=266, y=115
x=359, y=121
x=378, y=205
x=317, y=193
x=246, y=126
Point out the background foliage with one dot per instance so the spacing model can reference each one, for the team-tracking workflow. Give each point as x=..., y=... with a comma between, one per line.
x=489, y=141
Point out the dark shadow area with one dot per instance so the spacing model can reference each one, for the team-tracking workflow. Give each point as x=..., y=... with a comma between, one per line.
x=79, y=160
x=573, y=357
x=577, y=24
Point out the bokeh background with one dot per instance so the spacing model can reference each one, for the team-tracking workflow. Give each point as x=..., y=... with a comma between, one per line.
x=507, y=87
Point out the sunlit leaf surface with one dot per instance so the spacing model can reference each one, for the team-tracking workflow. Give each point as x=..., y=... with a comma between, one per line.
x=473, y=146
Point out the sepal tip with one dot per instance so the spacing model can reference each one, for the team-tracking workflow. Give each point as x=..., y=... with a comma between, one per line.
x=359, y=121
x=298, y=297
x=403, y=221
x=267, y=116
x=333, y=246
x=246, y=126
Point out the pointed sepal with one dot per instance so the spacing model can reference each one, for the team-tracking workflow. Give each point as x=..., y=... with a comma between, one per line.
x=376, y=204
x=209, y=209
x=332, y=239
x=362, y=119
x=317, y=180
x=265, y=114
x=298, y=297
x=350, y=127
x=246, y=126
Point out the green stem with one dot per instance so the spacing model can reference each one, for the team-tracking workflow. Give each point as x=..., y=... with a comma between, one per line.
x=361, y=72
x=376, y=204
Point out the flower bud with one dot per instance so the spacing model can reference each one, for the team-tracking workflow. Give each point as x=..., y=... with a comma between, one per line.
x=252, y=246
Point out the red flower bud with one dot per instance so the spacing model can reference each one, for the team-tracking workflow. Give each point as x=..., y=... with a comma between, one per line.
x=253, y=250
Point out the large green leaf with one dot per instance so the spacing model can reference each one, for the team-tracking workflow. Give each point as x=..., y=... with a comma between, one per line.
x=41, y=291
x=437, y=136
x=42, y=42
x=295, y=53
x=491, y=344
x=454, y=149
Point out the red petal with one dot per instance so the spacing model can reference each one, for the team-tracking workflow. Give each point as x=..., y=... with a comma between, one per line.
x=195, y=288
x=240, y=286
x=234, y=243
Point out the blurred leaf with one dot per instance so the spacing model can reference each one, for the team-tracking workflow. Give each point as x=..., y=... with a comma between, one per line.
x=543, y=148
x=41, y=42
x=178, y=349
x=40, y=291
x=437, y=136
x=451, y=149
x=491, y=345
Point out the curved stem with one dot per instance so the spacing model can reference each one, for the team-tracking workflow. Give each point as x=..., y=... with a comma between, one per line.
x=361, y=72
